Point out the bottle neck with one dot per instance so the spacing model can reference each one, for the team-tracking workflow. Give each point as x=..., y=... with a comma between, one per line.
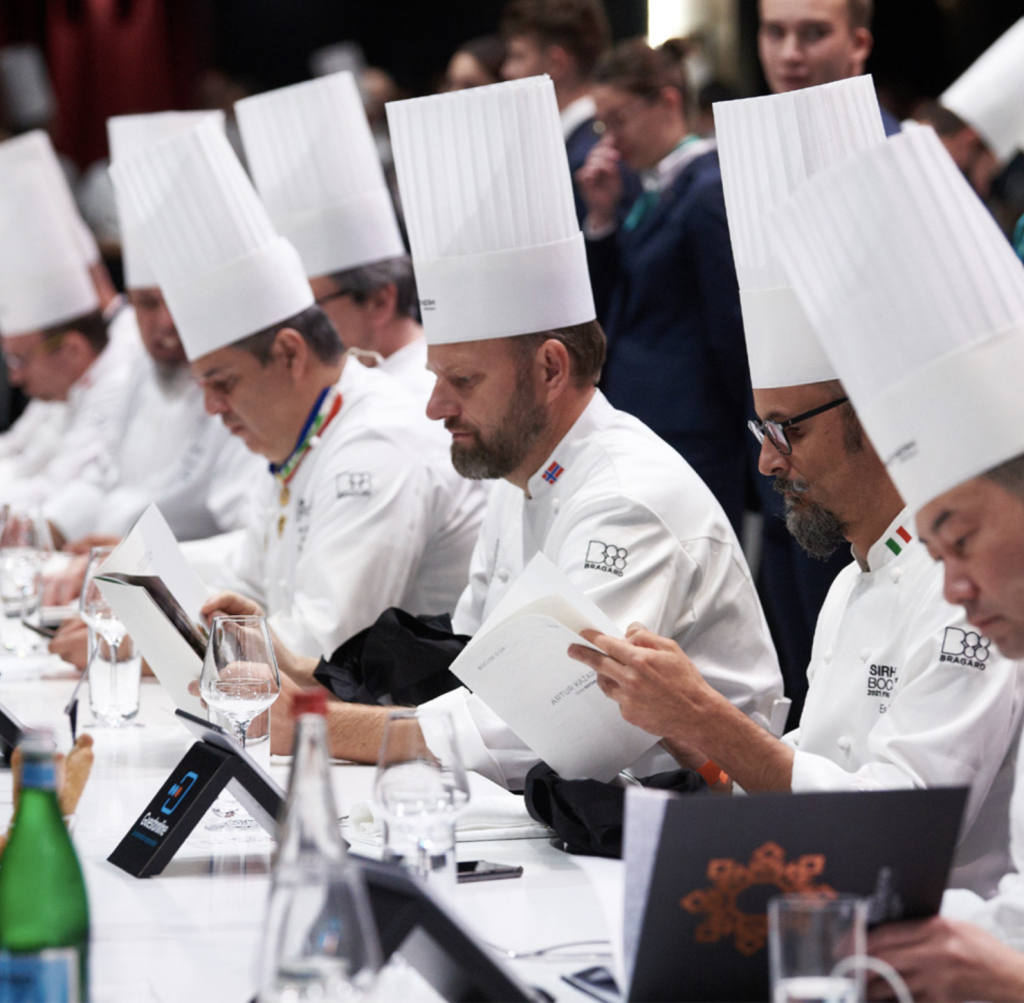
x=311, y=822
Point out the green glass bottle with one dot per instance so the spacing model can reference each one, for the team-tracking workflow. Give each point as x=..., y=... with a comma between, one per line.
x=44, y=913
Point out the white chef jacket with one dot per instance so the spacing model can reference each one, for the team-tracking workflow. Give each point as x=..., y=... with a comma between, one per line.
x=904, y=694
x=31, y=440
x=376, y=516
x=1002, y=914
x=408, y=368
x=626, y=519
x=170, y=452
x=87, y=434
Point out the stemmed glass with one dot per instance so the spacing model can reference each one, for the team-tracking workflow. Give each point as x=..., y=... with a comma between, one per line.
x=420, y=790
x=114, y=686
x=25, y=547
x=239, y=681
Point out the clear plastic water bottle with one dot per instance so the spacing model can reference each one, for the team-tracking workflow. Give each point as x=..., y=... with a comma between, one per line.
x=319, y=941
x=44, y=912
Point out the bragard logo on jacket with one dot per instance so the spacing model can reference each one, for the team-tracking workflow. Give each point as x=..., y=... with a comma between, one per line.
x=965, y=647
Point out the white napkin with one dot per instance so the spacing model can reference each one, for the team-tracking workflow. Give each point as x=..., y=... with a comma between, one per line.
x=492, y=816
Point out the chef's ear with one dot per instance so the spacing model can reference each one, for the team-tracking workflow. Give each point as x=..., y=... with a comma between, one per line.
x=291, y=348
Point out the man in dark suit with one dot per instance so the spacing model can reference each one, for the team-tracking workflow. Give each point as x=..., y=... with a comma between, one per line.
x=676, y=357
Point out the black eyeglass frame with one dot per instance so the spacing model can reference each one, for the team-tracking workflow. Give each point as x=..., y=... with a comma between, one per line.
x=336, y=295
x=776, y=430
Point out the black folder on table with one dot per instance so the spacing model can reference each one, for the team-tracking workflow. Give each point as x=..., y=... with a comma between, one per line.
x=700, y=871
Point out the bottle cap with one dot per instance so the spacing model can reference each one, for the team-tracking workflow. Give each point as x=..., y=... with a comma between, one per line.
x=310, y=701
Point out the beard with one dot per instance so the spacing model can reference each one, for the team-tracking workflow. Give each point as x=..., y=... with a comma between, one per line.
x=818, y=531
x=508, y=446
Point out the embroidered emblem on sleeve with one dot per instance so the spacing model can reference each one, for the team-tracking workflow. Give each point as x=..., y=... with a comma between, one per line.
x=605, y=557
x=354, y=484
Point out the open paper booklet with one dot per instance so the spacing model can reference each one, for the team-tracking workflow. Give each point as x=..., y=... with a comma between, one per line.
x=157, y=596
x=518, y=665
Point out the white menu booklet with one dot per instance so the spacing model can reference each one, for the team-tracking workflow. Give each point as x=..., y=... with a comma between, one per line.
x=157, y=596
x=518, y=665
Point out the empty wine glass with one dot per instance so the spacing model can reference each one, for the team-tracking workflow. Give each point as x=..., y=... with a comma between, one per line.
x=25, y=546
x=420, y=790
x=239, y=681
x=114, y=666
x=240, y=678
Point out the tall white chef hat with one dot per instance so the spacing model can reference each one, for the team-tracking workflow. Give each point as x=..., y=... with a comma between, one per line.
x=989, y=95
x=44, y=279
x=768, y=147
x=488, y=203
x=34, y=150
x=223, y=270
x=315, y=165
x=918, y=300
x=128, y=134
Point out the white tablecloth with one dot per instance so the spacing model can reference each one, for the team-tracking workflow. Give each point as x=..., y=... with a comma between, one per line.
x=192, y=934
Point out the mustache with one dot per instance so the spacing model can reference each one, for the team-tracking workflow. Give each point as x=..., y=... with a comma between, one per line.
x=787, y=487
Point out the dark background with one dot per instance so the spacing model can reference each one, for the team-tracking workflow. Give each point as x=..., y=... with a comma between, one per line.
x=120, y=56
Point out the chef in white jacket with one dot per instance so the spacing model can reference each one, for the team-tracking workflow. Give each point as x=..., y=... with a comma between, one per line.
x=55, y=342
x=361, y=509
x=170, y=451
x=315, y=164
x=903, y=692
x=619, y=512
x=918, y=300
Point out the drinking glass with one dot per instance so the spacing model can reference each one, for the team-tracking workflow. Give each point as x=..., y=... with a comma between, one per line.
x=25, y=546
x=239, y=681
x=240, y=678
x=114, y=666
x=420, y=793
x=807, y=938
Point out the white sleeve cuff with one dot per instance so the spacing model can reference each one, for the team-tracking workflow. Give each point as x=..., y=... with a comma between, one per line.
x=486, y=744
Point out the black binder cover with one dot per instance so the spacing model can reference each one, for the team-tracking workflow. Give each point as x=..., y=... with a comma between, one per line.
x=704, y=929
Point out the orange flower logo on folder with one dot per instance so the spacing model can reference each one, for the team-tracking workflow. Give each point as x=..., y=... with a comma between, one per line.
x=730, y=879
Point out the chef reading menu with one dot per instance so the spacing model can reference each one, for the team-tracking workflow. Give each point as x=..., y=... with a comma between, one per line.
x=518, y=664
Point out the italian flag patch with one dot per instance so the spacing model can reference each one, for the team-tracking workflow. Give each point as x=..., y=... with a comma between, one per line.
x=894, y=544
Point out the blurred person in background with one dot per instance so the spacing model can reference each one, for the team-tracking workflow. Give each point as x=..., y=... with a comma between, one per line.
x=475, y=63
x=564, y=39
x=803, y=43
x=676, y=356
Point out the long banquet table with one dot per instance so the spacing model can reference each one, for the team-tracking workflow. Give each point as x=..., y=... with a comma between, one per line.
x=192, y=933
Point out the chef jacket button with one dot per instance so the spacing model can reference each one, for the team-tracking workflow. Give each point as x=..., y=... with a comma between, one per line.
x=502, y=574
x=556, y=504
x=865, y=654
x=844, y=743
x=282, y=584
x=896, y=574
x=828, y=655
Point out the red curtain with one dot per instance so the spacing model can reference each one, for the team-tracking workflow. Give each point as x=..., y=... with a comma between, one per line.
x=116, y=57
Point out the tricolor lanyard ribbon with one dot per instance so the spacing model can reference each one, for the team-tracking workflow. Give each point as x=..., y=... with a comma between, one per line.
x=324, y=411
